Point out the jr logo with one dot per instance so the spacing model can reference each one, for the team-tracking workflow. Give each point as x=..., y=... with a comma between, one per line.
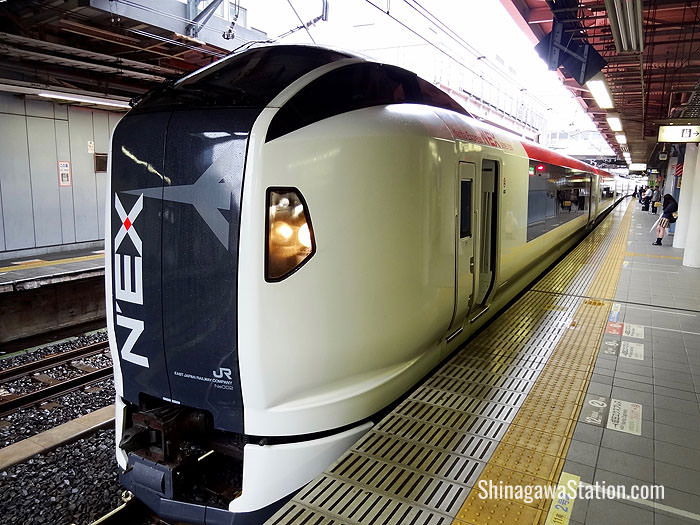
x=126, y=289
x=222, y=372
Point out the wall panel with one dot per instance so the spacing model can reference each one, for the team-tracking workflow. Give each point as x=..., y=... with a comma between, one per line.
x=84, y=187
x=65, y=193
x=39, y=108
x=44, y=178
x=2, y=227
x=10, y=103
x=35, y=210
x=100, y=122
x=16, y=185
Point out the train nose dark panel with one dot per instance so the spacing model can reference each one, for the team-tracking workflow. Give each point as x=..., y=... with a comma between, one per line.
x=137, y=167
x=204, y=160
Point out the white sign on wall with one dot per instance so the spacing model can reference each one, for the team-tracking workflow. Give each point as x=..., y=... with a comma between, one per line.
x=679, y=134
x=64, y=174
x=91, y=146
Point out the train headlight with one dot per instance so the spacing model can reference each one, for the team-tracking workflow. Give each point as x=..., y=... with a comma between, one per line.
x=290, y=238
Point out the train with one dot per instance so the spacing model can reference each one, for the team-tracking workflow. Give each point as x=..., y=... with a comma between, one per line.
x=296, y=237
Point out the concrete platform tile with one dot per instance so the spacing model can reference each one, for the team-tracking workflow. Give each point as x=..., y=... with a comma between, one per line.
x=626, y=464
x=679, y=419
x=633, y=385
x=637, y=445
x=662, y=402
x=680, y=478
x=582, y=452
x=588, y=433
x=602, y=512
x=677, y=455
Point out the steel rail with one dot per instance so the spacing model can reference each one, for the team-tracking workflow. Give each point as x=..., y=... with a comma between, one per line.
x=43, y=394
x=51, y=361
x=131, y=511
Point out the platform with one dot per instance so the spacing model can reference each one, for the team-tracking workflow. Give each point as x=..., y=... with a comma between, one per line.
x=55, y=292
x=34, y=272
x=594, y=374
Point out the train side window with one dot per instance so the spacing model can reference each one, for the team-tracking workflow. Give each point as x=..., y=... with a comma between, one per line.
x=465, y=213
x=556, y=195
x=352, y=87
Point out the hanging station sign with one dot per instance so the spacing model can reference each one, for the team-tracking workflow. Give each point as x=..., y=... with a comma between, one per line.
x=679, y=134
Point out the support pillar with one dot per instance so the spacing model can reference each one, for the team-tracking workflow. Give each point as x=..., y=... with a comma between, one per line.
x=691, y=254
x=690, y=168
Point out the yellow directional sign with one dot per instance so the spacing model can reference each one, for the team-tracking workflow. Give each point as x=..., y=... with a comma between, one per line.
x=679, y=134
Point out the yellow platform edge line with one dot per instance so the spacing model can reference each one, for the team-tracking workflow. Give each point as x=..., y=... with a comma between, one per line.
x=653, y=255
x=40, y=264
x=537, y=466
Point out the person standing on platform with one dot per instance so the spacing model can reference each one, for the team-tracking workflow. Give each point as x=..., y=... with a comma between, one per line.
x=634, y=195
x=655, y=198
x=670, y=207
x=647, y=199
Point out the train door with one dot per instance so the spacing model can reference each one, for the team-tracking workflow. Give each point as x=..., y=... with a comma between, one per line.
x=464, y=249
x=486, y=252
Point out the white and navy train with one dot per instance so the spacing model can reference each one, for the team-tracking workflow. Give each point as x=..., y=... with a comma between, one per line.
x=297, y=237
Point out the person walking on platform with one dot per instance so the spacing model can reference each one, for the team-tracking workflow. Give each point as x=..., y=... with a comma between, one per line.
x=670, y=207
x=634, y=195
x=647, y=199
x=655, y=200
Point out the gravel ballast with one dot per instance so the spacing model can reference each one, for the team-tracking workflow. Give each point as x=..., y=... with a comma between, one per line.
x=76, y=483
x=34, y=354
x=30, y=421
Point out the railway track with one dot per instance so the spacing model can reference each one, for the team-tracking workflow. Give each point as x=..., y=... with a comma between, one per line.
x=12, y=403
x=131, y=511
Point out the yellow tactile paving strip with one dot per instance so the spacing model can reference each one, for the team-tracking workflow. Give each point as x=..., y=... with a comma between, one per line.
x=40, y=264
x=534, y=448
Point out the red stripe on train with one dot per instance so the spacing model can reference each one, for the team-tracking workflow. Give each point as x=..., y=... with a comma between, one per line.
x=536, y=152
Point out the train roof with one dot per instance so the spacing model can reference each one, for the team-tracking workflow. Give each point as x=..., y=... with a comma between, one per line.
x=255, y=76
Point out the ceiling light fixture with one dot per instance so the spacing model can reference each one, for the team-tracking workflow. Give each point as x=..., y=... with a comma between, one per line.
x=626, y=25
x=621, y=138
x=599, y=90
x=87, y=100
x=638, y=166
x=614, y=121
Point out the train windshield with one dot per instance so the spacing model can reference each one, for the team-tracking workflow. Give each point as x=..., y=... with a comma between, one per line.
x=250, y=79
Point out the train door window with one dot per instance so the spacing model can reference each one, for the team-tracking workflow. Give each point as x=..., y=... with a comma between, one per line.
x=487, y=235
x=465, y=213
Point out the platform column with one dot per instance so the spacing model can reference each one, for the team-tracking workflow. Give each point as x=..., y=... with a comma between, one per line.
x=690, y=168
x=691, y=255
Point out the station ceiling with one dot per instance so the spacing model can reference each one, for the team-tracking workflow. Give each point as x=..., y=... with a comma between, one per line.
x=68, y=45
x=647, y=87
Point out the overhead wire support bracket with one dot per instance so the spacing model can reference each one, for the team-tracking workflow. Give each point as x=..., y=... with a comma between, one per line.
x=202, y=18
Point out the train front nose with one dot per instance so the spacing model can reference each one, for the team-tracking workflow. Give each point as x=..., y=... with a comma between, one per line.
x=183, y=172
x=175, y=196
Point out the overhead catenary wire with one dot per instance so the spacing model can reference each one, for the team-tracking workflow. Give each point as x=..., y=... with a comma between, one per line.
x=301, y=21
x=441, y=25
